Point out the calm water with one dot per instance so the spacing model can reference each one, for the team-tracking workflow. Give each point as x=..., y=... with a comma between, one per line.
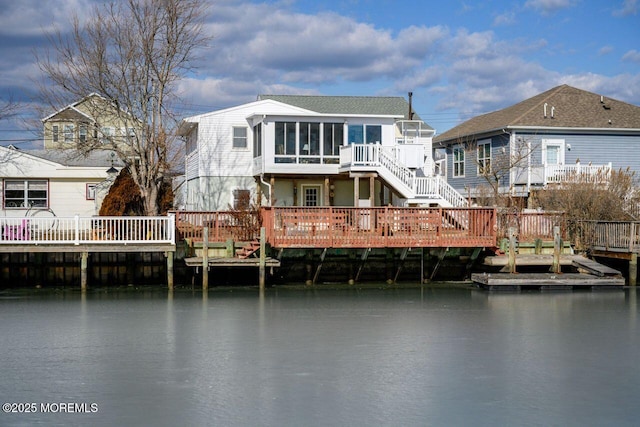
x=432, y=357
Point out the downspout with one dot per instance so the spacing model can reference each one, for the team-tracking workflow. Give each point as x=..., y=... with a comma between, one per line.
x=268, y=186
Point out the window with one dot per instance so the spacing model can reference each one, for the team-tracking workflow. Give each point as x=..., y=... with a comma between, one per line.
x=309, y=139
x=373, y=134
x=333, y=135
x=458, y=161
x=68, y=133
x=55, y=130
x=239, y=137
x=370, y=134
x=91, y=191
x=553, y=151
x=82, y=133
x=26, y=193
x=484, y=157
x=107, y=134
x=257, y=140
x=285, y=141
x=356, y=134
x=241, y=200
x=311, y=195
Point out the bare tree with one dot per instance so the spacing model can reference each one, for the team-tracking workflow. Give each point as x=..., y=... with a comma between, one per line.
x=607, y=196
x=8, y=109
x=132, y=53
x=495, y=164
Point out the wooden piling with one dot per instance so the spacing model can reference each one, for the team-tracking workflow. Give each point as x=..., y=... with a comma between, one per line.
x=557, y=248
x=205, y=258
x=263, y=258
x=170, y=255
x=633, y=269
x=84, y=262
x=512, y=249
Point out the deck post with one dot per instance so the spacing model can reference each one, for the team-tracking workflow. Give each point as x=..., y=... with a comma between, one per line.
x=512, y=249
x=263, y=258
x=356, y=191
x=389, y=265
x=372, y=187
x=230, y=248
x=309, y=267
x=557, y=248
x=352, y=265
x=170, y=270
x=633, y=269
x=84, y=261
x=205, y=258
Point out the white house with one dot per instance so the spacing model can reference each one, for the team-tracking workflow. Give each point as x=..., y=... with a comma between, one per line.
x=52, y=182
x=286, y=150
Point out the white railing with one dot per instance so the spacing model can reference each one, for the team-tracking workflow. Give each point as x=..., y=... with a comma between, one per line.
x=436, y=186
x=577, y=172
x=88, y=230
x=375, y=156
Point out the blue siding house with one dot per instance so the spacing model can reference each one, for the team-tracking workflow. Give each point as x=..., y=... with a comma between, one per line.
x=551, y=138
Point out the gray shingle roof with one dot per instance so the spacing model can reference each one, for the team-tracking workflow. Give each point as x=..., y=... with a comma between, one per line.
x=572, y=108
x=365, y=105
x=96, y=158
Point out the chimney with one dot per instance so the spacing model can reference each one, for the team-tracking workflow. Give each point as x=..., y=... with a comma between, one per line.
x=410, y=116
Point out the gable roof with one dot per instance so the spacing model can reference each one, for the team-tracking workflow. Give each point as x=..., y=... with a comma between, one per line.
x=365, y=105
x=572, y=108
x=77, y=158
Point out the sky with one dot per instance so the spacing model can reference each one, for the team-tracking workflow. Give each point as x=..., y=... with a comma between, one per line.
x=459, y=58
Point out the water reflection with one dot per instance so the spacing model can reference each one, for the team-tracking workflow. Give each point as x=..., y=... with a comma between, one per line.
x=318, y=357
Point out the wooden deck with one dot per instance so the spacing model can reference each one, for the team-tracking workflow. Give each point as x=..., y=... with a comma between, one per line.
x=385, y=227
x=545, y=281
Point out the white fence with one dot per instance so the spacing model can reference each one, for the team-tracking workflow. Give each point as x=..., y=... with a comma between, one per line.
x=88, y=230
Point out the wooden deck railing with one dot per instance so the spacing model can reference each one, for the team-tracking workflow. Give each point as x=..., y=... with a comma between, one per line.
x=379, y=227
x=532, y=225
x=82, y=230
x=612, y=236
x=236, y=225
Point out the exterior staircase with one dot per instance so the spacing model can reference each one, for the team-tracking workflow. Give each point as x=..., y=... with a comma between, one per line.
x=416, y=189
x=249, y=250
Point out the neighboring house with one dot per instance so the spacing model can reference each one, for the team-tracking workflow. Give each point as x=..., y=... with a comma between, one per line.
x=93, y=122
x=62, y=182
x=287, y=150
x=559, y=135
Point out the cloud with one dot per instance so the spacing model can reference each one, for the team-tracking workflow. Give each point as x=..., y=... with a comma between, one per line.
x=629, y=7
x=605, y=50
x=632, y=56
x=506, y=18
x=33, y=17
x=312, y=49
x=547, y=7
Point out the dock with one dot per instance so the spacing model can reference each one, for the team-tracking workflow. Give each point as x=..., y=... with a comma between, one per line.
x=545, y=281
x=590, y=274
x=231, y=262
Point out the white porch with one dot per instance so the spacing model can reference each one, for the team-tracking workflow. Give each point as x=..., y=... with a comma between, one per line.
x=543, y=175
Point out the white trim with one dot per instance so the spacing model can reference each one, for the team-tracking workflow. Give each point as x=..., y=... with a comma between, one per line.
x=483, y=142
x=453, y=161
x=553, y=143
